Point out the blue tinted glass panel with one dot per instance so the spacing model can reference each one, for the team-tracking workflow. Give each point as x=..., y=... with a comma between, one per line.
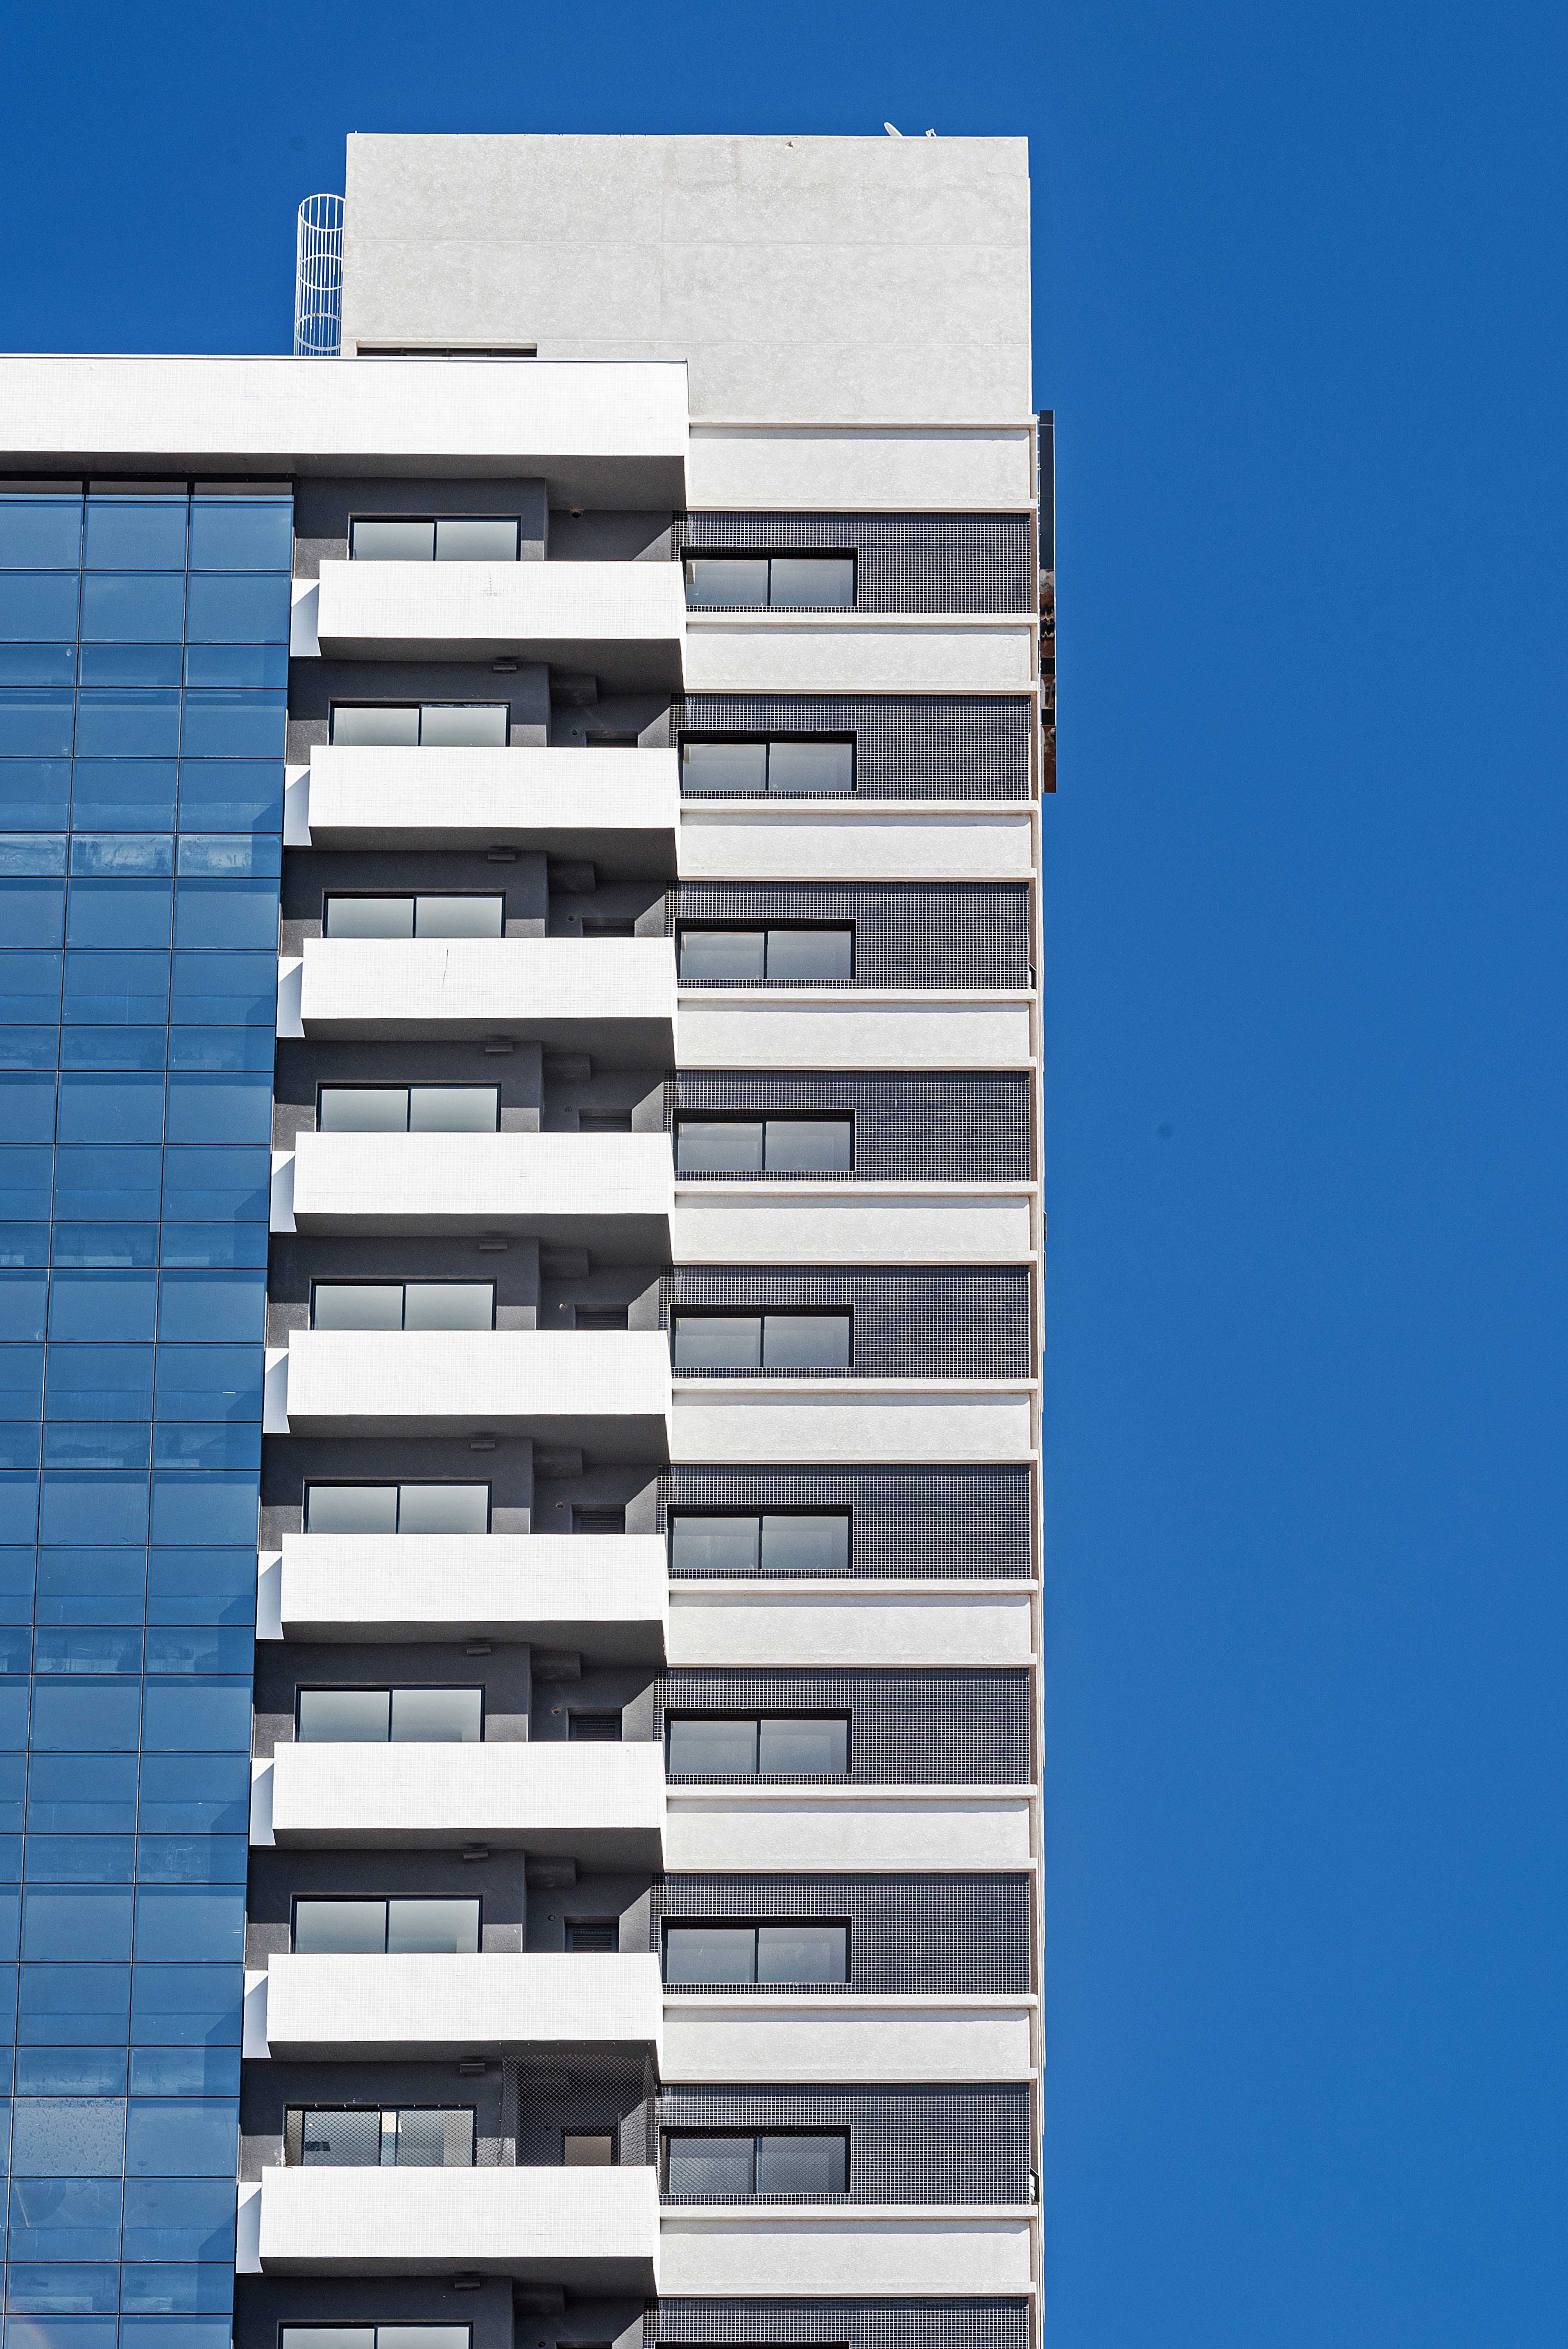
x=237, y=725
x=220, y=914
x=215, y=665
x=136, y=533
x=35, y=723
x=125, y=794
x=231, y=794
x=35, y=794
x=241, y=609
x=31, y=913
x=120, y=853
x=126, y=725
x=121, y=989
x=39, y=605
x=128, y=664
x=241, y=534
x=42, y=533
x=99, y=1181
x=37, y=664
x=225, y=990
x=134, y=607
x=120, y=913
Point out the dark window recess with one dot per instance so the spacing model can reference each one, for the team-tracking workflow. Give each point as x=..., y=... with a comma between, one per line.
x=600, y=1121
x=407, y=1108
x=779, y=766
x=383, y=1305
x=594, y=1728
x=409, y=2136
x=419, y=725
x=794, y=2161
x=599, y=1317
x=802, y=1950
x=770, y=1541
x=444, y=1928
x=780, y=583
x=593, y=1520
x=396, y=1508
x=769, y=1746
x=765, y=1146
x=608, y=925
x=439, y=538
x=587, y=2148
x=761, y=1341
x=766, y=958
x=413, y=918
x=595, y=1935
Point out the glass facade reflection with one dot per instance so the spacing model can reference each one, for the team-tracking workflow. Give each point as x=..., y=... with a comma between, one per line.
x=143, y=652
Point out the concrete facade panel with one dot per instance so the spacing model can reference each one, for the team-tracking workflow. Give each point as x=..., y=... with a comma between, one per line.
x=816, y=1833
x=970, y=470
x=786, y=652
x=605, y=1595
x=363, y=2010
x=806, y=1624
x=803, y=2254
x=772, y=1224
x=829, y=1426
x=619, y=807
x=595, y=2232
x=822, y=2042
x=739, y=1029
x=730, y=841
x=603, y=1801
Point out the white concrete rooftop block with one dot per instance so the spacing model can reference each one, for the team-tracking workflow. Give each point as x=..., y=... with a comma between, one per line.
x=858, y=652
x=601, y=1804
x=592, y=2231
x=603, y=1595
x=614, y=1190
x=616, y=435
x=619, y=809
x=855, y=2252
x=864, y=469
x=613, y=997
x=624, y=621
x=343, y=2010
x=854, y=1028
x=605, y=1390
x=846, y=2039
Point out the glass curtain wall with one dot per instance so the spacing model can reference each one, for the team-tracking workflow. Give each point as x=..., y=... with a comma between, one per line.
x=143, y=667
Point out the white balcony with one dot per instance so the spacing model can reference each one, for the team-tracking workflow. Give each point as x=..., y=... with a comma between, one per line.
x=869, y=2251
x=606, y=1390
x=601, y=1804
x=603, y=1595
x=860, y=652
x=854, y=1028
x=362, y=2010
x=611, y=996
x=611, y=1192
x=592, y=2231
x=859, y=1223
x=620, y=808
x=626, y=622
x=829, y=1422
x=906, y=1626
x=885, y=1830
x=804, y=2041
x=854, y=840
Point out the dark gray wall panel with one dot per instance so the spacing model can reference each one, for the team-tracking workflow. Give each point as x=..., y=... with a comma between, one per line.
x=906, y=933
x=906, y=1728
x=907, y=746
x=935, y=1935
x=905, y=563
x=928, y=1523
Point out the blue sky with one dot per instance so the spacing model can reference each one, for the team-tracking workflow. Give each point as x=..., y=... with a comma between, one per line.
x=1300, y=313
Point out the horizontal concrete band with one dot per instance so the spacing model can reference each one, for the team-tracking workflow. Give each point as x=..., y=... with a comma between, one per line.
x=624, y=621
x=873, y=2251
x=365, y=2009
x=621, y=809
x=602, y=1594
x=591, y=2230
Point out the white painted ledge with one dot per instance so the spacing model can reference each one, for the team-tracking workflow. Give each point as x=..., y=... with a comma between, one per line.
x=615, y=997
x=883, y=1830
x=858, y=840
x=620, y=808
x=872, y=2250
x=914, y=1626
x=807, y=2041
x=855, y=1223
x=359, y=2009
x=626, y=622
x=609, y=1387
x=614, y=1192
x=826, y=1423
x=860, y=652
x=855, y=1027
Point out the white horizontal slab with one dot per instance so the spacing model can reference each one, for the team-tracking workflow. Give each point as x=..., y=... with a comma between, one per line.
x=624, y=621
x=612, y=997
x=849, y=2040
x=854, y=840
x=868, y=468
x=612, y=1192
x=874, y=2251
x=859, y=652
x=603, y=1805
x=894, y=1830
x=369, y=2009
x=827, y=1423
x=792, y=1223
x=870, y=1624
x=620, y=808
x=606, y=1390
x=593, y=2230
x=615, y=432
x=604, y=1594
x=759, y=1028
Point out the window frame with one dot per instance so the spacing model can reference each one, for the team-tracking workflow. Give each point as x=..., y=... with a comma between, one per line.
x=419, y=709
x=320, y=2107
x=402, y=1330
x=414, y=897
x=678, y=1510
x=754, y=2137
x=766, y=1119
x=382, y=1484
x=697, y=738
x=332, y=1084
x=754, y=1926
x=770, y=555
x=434, y=519
x=674, y=1716
x=766, y=931
x=765, y=1370
x=305, y=2335
x=357, y=1688
x=355, y=1899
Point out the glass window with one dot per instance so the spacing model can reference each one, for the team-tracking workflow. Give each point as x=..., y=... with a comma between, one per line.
x=369, y=917
x=709, y=1955
x=809, y=1145
x=339, y=1928
x=804, y=1951
x=39, y=606
x=422, y=917
x=391, y=542
x=803, y=769
x=454, y=1109
x=799, y=582
x=794, y=1544
x=362, y=726
x=136, y=533
x=356, y=1305
x=711, y=1749
x=699, y=1544
x=41, y=531
x=242, y=609
x=806, y=1341
x=775, y=1145
x=362, y=1109
x=708, y=2165
x=241, y=534
x=410, y=1305
x=438, y=1717
x=770, y=1747
x=343, y=1716
x=429, y=2137
x=803, y=1748
x=822, y=957
x=719, y=1145
x=476, y=538
x=458, y=917
x=341, y=2140
x=396, y=1508
x=443, y=1509
x=139, y=608
x=588, y=2149
x=443, y=1928
x=374, y=2336
x=768, y=1342
x=464, y=725
x=741, y=767
x=713, y=1341
x=800, y=2162
x=128, y=725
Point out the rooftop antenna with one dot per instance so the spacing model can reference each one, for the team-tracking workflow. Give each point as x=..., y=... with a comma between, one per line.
x=318, y=279
x=892, y=130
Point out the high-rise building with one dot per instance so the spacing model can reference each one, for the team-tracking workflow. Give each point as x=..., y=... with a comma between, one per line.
x=519, y=1127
